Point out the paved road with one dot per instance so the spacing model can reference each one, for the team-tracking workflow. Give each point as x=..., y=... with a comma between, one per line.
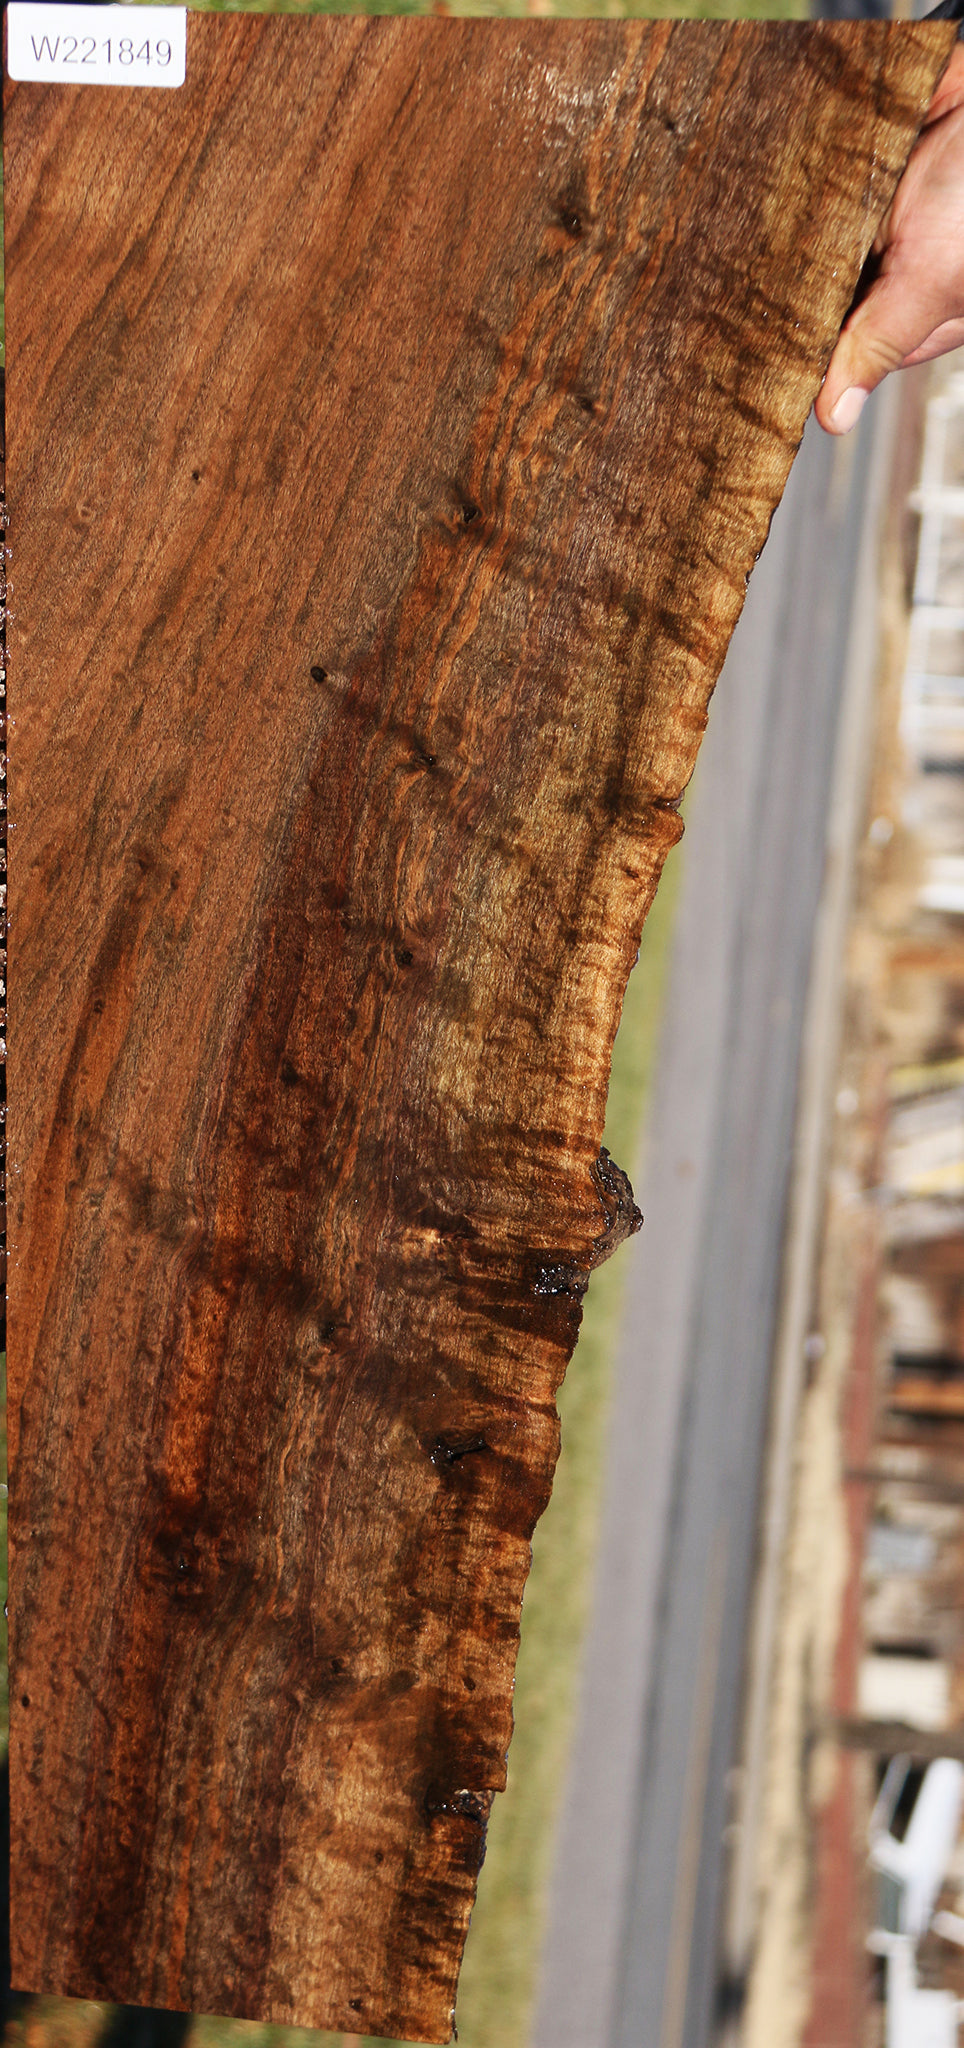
x=630, y=1959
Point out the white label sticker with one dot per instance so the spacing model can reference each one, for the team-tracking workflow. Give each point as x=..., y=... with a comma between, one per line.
x=76, y=45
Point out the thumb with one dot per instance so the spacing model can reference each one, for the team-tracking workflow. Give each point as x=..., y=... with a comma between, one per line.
x=889, y=324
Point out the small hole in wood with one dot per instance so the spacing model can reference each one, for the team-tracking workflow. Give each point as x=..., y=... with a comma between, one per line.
x=451, y=1451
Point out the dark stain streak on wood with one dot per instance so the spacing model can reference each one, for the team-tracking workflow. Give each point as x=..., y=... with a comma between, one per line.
x=334, y=854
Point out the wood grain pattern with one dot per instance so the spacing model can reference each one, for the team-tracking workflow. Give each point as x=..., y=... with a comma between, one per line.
x=395, y=414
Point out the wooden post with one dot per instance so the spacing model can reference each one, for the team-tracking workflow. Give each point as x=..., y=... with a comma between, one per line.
x=396, y=412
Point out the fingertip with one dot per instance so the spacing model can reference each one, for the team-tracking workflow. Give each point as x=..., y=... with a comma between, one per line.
x=846, y=412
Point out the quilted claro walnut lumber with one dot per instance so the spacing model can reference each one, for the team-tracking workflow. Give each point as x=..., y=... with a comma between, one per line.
x=395, y=413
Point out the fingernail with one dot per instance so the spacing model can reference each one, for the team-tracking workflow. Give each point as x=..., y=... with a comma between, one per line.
x=848, y=409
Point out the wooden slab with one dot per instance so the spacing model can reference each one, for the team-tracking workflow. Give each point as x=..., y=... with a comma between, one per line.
x=395, y=414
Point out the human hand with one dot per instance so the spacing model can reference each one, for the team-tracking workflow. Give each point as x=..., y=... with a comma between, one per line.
x=915, y=308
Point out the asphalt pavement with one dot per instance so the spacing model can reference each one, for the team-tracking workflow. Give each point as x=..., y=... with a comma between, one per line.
x=632, y=1956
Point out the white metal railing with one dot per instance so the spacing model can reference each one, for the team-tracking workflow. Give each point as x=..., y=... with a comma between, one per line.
x=932, y=696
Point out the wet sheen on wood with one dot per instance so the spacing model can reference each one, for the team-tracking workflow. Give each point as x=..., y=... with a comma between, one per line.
x=395, y=414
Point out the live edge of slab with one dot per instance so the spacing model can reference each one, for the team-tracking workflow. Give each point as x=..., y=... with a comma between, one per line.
x=395, y=413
